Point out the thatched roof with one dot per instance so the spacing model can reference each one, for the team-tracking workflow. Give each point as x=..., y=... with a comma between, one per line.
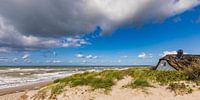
x=184, y=62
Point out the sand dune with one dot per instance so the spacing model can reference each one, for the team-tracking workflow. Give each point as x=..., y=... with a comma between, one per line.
x=117, y=93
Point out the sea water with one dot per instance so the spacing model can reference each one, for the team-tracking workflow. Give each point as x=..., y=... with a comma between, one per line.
x=7, y=79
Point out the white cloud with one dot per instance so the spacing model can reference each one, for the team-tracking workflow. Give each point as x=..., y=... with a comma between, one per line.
x=84, y=61
x=86, y=56
x=56, y=61
x=11, y=39
x=95, y=57
x=74, y=42
x=168, y=53
x=89, y=57
x=36, y=24
x=53, y=61
x=25, y=56
x=80, y=56
x=144, y=55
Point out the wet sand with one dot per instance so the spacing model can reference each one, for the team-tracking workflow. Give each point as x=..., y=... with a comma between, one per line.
x=23, y=88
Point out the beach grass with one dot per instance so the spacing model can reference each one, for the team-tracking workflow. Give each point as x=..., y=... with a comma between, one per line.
x=142, y=77
x=139, y=83
x=180, y=88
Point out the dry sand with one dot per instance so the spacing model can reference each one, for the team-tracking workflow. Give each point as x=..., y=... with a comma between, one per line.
x=117, y=93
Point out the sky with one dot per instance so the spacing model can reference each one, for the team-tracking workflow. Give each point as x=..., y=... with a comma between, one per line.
x=96, y=32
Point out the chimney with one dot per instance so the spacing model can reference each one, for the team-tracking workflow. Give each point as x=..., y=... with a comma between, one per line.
x=179, y=53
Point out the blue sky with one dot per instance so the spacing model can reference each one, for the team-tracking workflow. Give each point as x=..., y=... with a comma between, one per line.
x=132, y=44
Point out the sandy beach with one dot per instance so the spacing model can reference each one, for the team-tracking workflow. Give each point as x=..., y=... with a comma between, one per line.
x=117, y=93
x=23, y=88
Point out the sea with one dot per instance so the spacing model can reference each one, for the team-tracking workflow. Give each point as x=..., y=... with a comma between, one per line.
x=11, y=76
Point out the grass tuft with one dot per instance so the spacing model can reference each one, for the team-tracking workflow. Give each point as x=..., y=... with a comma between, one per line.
x=139, y=84
x=179, y=88
x=106, y=79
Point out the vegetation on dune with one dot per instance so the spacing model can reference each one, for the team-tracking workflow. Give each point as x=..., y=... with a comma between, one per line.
x=142, y=77
x=193, y=72
x=105, y=79
x=163, y=77
x=139, y=83
x=180, y=88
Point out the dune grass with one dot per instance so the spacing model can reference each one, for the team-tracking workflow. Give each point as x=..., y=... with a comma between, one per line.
x=106, y=79
x=139, y=83
x=180, y=88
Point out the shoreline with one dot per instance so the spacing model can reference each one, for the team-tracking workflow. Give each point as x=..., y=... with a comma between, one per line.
x=110, y=85
x=117, y=93
x=23, y=88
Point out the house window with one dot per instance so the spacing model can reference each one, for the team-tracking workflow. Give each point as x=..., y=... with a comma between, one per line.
x=164, y=64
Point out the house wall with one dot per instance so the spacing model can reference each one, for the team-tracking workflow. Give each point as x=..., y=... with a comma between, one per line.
x=164, y=65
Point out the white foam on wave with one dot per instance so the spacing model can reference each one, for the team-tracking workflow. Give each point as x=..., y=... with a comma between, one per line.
x=7, y=82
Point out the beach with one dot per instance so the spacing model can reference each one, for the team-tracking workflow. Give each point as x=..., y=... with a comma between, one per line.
x=96, y=85
x=23, y=88
x=117, y=93
x=15, y=81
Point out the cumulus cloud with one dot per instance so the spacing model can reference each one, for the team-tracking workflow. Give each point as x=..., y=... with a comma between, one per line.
x=56, y=61
x=168, y=53
x=11, y=39
x=25, y=56
x=86, y=56
x=74, y=42
x=84, y=61
x=91, y=57
x=80, y=55
x=144, y=55
x=37, y=24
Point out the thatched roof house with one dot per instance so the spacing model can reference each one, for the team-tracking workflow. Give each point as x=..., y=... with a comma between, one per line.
x=178, y=62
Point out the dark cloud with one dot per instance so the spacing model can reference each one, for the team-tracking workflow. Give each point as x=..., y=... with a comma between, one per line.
x=37, y=24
